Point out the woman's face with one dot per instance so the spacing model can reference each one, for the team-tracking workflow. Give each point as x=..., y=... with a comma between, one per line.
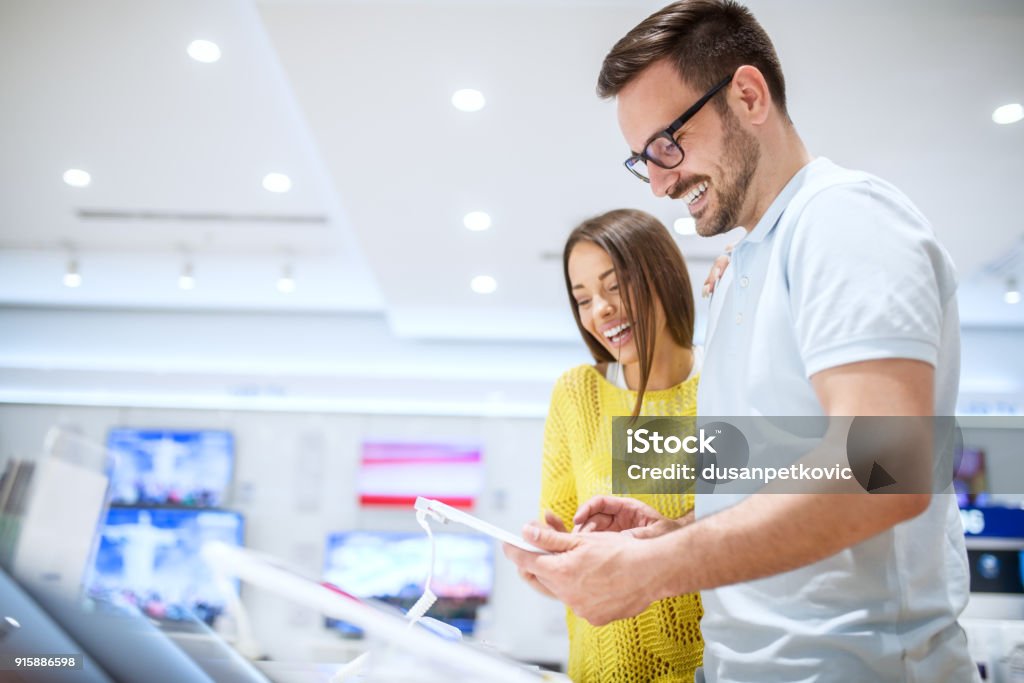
x=595, y=287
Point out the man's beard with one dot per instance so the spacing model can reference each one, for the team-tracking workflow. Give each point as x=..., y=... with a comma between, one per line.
x=741, y=157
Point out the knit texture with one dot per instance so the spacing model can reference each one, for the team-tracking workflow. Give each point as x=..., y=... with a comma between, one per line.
x=663, y=643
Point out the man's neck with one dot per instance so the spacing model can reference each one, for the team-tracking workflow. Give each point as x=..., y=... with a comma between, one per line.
x=779, y=163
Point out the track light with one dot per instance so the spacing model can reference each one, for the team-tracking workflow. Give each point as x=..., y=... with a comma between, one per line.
x=72, y=278
x=286, y=283
x=1012, y=295
x=187, y=278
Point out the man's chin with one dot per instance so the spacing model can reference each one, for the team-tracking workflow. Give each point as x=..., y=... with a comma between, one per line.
x=710, y=228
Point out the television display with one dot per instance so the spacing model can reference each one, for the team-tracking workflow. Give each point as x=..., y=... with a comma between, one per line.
x=170, y=467
x=392, y=567
x=996, y=571
x=149, y=558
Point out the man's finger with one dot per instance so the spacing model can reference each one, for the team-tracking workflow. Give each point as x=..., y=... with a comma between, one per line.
x=535, y=583
x=548, y=539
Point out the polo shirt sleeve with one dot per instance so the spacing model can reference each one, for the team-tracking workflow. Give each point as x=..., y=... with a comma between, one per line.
x=864, y=274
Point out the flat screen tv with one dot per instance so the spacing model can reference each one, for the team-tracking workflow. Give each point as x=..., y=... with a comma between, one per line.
x=392, y=567
x=148, y=557
x=170, y=467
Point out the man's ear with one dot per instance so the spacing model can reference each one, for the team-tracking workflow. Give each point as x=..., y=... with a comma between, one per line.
x=750, y=90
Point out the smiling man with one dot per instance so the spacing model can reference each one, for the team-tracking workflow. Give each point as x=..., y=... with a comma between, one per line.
x=838, y=302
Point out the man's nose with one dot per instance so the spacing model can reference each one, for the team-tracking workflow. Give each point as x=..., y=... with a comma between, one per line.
x=662, y=179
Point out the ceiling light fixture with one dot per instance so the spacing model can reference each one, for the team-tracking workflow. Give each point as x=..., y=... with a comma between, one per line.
x=187, y=278
x=468, y=99
x=286, y=283
x=476, y=221
x=1008, y=113
x=483, y=284
x=1012, y=295
x=72, y=278
x=686, y=225
x=204, y=51
x=277, y=182
x=76, y=177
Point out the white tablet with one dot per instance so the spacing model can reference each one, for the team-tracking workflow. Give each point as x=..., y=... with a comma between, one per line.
x=446, y=513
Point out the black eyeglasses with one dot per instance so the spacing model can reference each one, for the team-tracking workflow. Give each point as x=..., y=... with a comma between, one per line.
x=662, y=149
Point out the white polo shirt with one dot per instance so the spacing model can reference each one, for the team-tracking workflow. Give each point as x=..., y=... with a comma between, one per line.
x=841, y=268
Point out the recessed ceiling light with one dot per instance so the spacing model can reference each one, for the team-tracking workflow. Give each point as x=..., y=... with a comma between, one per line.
x=277, y=182
x=483, y=284
x=204, y=51
x=1008, y=113
x=76, y=177
x=468, y=99
x=686, y=226
x=476, y=221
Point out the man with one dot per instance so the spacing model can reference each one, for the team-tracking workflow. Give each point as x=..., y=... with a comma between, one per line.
x=837, y=302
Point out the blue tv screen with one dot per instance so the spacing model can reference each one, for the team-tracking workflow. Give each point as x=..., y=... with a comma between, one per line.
x=170, y=467
x=149, y=558
x=392, y=567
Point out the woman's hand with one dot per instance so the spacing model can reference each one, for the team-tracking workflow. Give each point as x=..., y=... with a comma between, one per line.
x=717, y=270
x=627, y=515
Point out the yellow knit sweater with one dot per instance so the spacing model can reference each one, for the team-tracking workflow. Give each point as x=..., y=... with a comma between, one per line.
x=663, y=643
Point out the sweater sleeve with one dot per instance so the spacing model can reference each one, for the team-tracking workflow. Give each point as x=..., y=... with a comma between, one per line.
x=558, y=483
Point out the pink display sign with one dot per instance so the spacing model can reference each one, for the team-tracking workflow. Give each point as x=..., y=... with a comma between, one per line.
x=394, y=474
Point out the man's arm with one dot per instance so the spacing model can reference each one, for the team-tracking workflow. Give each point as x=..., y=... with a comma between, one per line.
x=764, y=535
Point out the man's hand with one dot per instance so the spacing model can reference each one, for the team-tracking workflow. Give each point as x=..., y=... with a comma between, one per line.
x=629, y=515
x=600, y=576
x=554, y=522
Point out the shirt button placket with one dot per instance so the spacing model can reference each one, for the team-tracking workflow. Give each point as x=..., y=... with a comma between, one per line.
x=743, y=281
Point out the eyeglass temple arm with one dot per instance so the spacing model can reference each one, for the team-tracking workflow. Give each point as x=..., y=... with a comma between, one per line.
x=688, y=114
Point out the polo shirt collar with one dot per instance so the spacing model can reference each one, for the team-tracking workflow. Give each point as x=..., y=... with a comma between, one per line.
x=771, y=217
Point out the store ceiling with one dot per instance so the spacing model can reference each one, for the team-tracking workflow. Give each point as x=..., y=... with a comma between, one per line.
x=351, y=100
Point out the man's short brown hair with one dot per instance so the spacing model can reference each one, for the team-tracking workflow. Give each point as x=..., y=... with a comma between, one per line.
x=706, y=39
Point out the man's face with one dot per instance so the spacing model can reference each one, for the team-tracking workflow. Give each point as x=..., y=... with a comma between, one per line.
x=720, y=157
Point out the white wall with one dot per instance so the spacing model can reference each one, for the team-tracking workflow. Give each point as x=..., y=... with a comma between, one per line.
x=313, y=362
x=295, y=483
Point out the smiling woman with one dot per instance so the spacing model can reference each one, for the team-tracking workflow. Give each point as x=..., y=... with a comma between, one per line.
x=630, y=295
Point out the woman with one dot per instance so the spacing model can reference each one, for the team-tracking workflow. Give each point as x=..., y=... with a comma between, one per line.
x=631, y=298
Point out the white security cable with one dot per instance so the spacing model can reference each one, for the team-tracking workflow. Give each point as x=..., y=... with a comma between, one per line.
x=428, y=598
